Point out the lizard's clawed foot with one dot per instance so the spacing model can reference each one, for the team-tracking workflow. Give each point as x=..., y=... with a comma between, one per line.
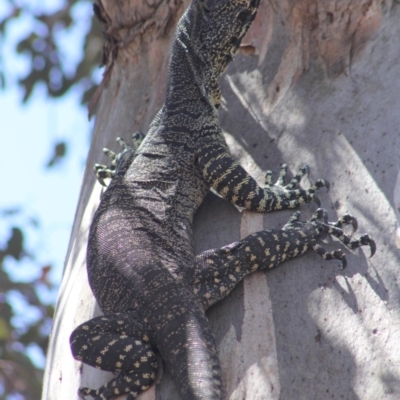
x=335, y=229
x=104, y=172
x=318, y=224
x=290, y=196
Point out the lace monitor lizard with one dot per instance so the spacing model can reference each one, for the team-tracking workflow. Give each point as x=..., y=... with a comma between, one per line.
x=151, y=287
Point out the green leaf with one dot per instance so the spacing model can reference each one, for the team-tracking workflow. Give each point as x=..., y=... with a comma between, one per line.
x=15, y=244
x=5, y=330
x=59, y=151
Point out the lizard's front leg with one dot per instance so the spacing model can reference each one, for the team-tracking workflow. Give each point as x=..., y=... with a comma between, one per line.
x=105, y=172
x=232, y=182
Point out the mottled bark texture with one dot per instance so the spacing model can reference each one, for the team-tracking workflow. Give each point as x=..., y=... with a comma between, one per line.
x=316, y=82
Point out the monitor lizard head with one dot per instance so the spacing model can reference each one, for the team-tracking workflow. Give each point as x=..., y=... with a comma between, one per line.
x=212, y=30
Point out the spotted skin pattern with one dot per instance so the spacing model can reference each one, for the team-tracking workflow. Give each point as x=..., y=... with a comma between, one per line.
x=218, y=271
x=120, y=344
x=151, y=287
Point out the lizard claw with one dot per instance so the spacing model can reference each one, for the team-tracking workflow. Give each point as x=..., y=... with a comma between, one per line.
x=346, y=219
x=365, y=239
x=354, y=224
x=344, y=262
x=372, y=245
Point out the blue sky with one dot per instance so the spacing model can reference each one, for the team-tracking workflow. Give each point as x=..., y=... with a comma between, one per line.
x=50, y=195
x=27, y=136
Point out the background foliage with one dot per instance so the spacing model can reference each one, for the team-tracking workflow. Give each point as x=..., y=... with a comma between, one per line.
x=27, y=323
x=61, y=43
x=44, y=45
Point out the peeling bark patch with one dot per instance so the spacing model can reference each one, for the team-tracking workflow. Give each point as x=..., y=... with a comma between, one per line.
x=342, y=30
x=129, y=25
x=288, y=36
x=125, y=23
x=334, y=32
x=247, y=49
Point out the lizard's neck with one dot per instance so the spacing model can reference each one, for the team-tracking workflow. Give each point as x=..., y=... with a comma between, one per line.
x=191, y=82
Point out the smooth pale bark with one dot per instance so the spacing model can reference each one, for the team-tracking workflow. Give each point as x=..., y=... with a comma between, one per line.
x=316, y=82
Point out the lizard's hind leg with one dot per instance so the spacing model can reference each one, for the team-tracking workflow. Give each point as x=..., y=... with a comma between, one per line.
x=217, y=271
x=117, y=343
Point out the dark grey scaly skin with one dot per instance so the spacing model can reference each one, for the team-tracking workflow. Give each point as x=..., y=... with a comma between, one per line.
x=142, y=269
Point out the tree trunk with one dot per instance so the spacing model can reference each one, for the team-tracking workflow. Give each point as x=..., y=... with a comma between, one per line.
x=316, y=82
